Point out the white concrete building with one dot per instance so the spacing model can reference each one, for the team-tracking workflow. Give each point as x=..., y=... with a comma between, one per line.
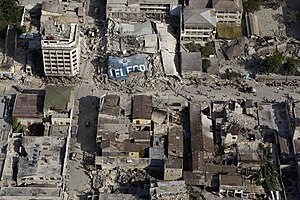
x=61, y=51
x=60, y=40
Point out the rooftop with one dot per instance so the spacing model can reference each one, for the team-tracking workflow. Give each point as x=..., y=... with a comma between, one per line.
x=28, y=105
x=58, y=98
x=42, y=164
x=110, y=105
x=191, y=61
x=199, y=18
x=228, y=5
x=142, y=107
x=175, y=141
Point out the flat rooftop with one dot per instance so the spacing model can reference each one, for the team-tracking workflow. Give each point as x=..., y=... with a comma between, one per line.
x=42, y=165
x=28, y=105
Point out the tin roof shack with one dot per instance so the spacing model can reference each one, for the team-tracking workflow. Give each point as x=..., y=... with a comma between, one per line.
x=173, y=166
x=191, y=64
x=169, y=190
x=34, y=166
x=7, y=68
x=141, y=112
x=58, y=105
x=28, y=109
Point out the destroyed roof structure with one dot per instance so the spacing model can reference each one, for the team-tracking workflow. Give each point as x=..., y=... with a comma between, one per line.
x=235, y=48
x=198, y=25
x=60, y=39
x=119, y=68
x=191, y=64
x=28, y=108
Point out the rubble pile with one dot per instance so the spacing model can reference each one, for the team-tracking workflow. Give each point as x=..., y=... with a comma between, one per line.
x=110, y=181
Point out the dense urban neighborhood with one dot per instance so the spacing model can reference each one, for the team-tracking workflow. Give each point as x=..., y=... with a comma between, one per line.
x=149, y=99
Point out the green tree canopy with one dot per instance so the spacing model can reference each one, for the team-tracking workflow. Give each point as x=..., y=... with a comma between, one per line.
x=205, y=64
x=272, y=64
x=291, y=66
x=252, y=5
x=293, y=16
x=10, y=14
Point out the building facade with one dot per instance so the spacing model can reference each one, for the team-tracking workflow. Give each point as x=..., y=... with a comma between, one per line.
x=61, y=54
x=139, y=9
x=199, y=25
x=228, y=11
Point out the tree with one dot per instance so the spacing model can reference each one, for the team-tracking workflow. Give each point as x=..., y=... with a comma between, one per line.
x=272, y=64
x=252, y=5
x=205, y=64
x=293, y=16
x=231, y=75
x=291, y=66
x=208, y=49
x=10, y=14
x=192, y=47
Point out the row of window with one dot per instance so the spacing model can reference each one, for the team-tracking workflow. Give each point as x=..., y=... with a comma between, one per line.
x=197, y=33
x=195, y=38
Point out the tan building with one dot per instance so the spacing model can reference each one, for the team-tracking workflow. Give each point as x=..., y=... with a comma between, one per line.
x=199, y=25
x=228, y=11
x=141, y=111
x=173, y=169
x=28, y=109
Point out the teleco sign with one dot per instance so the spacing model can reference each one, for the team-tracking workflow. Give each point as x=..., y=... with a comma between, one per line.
x=119, y=68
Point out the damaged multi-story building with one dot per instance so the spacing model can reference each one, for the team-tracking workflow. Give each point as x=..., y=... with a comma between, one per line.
x=60, y=40
x=136, y=10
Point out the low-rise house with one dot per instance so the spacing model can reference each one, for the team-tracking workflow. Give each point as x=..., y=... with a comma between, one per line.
x=28, y=109
x=58, y=105
x=191, y=64
x=173, y=168
x=141, y=112
x=199, y=25
x=228, y=11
